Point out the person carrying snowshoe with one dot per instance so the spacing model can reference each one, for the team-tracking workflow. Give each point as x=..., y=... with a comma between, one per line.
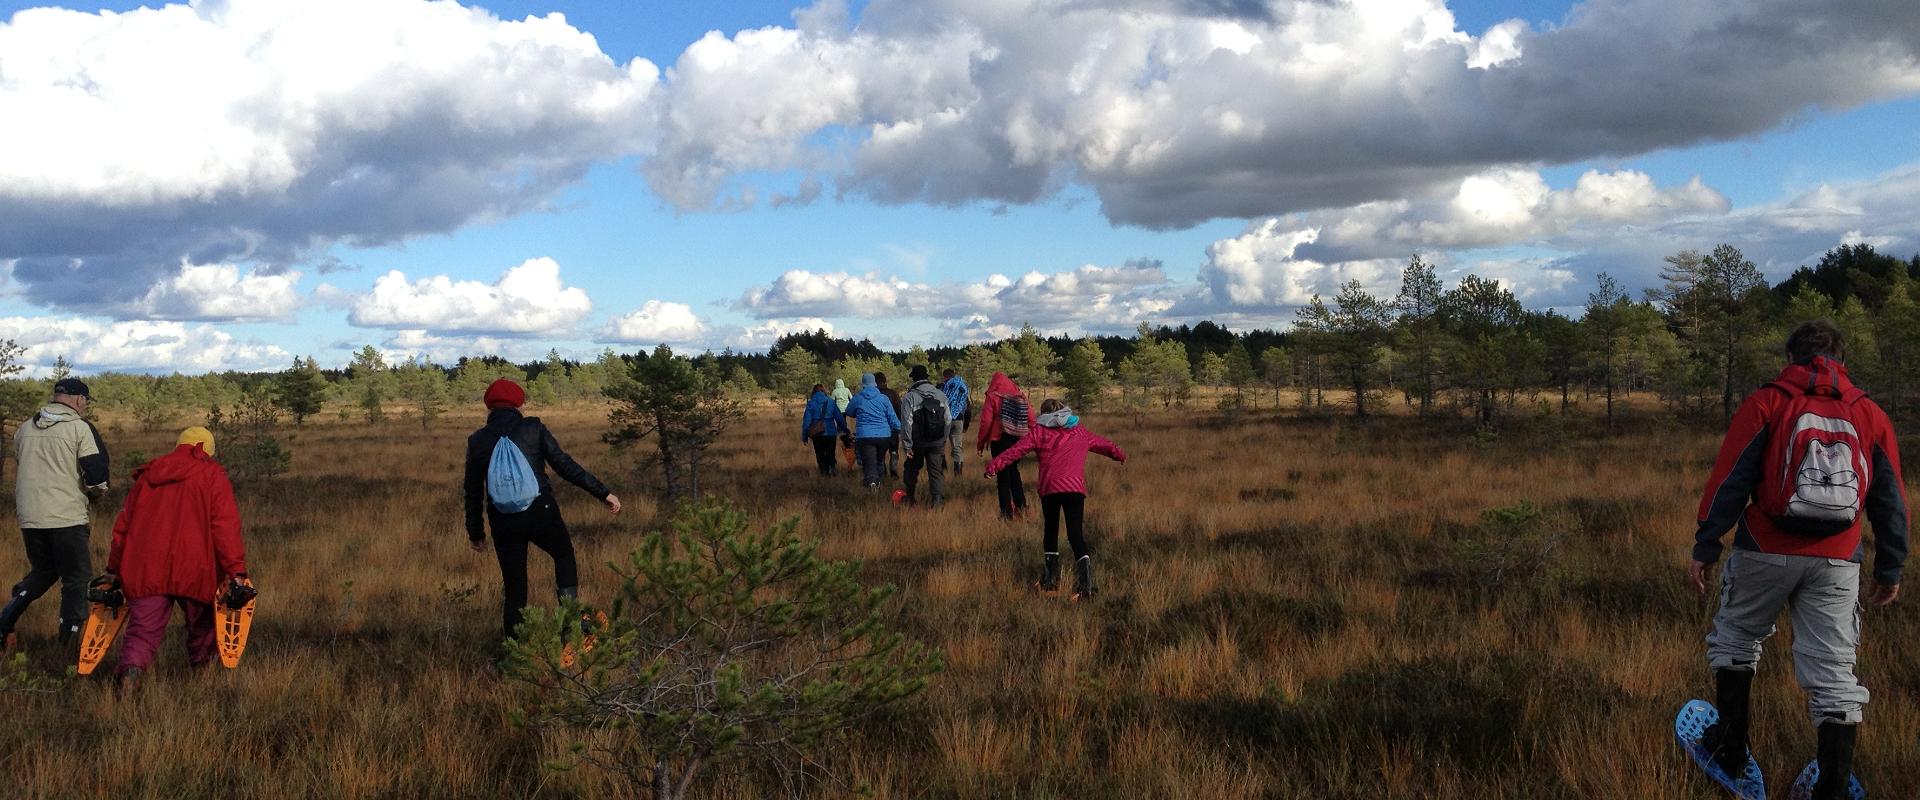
x=175, y=543
x=62, y=466
x=822, y=426
x=1005, y=419
x=924, y=434
x=876, y=426
x=1807, y=460
x=1062, y=444
x=506, y=484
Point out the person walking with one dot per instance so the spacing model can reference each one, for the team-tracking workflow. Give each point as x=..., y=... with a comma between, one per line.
x=62, y=466
x=1806, y=460
x=960, y=407
x=506, y=484
x=822, y=426
x=1005, y=418
x=925, y=436
x=893, y=446
x=841, y=396
x=1062, y=444
x=876, y=426
x=175, y=543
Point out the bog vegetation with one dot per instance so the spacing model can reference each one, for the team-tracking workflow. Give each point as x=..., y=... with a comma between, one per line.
x=1309, y=589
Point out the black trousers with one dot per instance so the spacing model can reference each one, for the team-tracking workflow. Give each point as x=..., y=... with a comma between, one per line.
x=1013, y=496
x=823, y=453
x=57, y=555
x=1073, y=506
x=541, y=526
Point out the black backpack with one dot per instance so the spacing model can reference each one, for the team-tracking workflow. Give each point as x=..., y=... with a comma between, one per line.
x=929, y=423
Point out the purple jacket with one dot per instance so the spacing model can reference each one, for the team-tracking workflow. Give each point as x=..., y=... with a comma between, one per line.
x=1063, y=456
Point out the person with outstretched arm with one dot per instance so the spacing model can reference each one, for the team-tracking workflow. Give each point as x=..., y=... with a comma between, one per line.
x=1062, y=445
x=530, y=513
x=1808, y=460
x=62, y=467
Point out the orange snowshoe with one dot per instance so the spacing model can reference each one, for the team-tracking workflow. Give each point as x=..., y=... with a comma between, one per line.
x=106, y=615
x=233, y=618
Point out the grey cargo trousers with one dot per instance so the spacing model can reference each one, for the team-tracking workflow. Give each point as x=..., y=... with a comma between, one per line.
x=1822, y=596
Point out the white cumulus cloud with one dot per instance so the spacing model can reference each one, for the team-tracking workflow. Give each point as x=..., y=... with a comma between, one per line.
x=656, y=322
x=137, y=346
x=529, y=298
x=221, y=293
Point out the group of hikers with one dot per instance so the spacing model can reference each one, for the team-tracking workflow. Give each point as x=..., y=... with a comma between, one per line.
x=1807, y=462
x=929, y=422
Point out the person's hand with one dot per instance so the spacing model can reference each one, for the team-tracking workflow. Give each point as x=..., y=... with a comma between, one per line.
x=477, y=545
x=989, y=474
x=612, y=503
x=1885, y=594
x=1697, y=572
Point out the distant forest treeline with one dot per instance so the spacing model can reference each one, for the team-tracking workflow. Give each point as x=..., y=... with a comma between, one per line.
x=1710, y=332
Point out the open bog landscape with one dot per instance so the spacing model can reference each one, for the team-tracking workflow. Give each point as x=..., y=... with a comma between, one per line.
x=1292, y=607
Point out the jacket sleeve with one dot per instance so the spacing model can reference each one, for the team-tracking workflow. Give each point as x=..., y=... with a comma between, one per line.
x=93, y=460
x=806, y=420
x=1012, y=454
x=893, y=418
x=989, y=421
x=564, y=466
x=1107, y=448
x=224, y=522
x=1736, y=471
x=1886, y=508
x=121, y=524
x=474, y=492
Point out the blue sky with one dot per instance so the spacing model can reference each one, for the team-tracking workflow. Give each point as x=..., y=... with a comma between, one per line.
x=439, y=180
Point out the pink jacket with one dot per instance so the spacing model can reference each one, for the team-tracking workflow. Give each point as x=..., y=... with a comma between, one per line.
x=1063, y=456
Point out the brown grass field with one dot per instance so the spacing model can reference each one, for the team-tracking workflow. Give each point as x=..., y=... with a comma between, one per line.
x=1292, y=608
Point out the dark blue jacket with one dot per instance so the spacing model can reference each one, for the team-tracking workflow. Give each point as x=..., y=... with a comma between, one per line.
x=820, y=408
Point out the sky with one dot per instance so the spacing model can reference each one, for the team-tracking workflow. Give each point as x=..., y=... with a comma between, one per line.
x=230, y=184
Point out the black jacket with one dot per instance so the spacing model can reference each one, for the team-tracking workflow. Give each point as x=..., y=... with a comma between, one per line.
x=537, y=443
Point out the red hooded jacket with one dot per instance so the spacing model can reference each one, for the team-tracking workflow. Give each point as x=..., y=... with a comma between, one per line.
x=1743, y=462
x=179, y=532
x=998, y=389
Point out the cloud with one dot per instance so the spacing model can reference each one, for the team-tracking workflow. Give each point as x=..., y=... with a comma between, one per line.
x=527, y=299
x=93, y=346
x=220, y=293
x=1089, y=295
x=237, y=131
x=448, y=350
x=758, y=338
x=655, y=322
x=1259, y=269
x=1179, y=112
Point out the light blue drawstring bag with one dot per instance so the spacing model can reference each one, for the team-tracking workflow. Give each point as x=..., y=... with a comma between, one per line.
x=511, y=484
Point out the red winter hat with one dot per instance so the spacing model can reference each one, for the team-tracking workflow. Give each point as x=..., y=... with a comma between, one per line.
x=504, y=393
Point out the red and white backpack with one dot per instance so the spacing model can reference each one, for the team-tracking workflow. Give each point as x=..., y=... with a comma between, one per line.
x=1818, y=466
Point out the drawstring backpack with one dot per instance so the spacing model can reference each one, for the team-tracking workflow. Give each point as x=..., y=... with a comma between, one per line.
x=511, y=484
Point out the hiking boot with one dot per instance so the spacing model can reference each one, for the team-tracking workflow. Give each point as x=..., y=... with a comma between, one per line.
x=1050, y=581
x=1083, y=579
x=68, y=633
x=1836, y=760
x=130, y=680
x=12, y=644
x=1727, y=739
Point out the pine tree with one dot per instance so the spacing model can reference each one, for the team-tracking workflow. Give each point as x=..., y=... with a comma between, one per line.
x=1240, y=373
x=667, y=399
x=1084, y=373
x=794, y=372
x=301, y=390
x=1030, y=362
x=424, y=386
x=1419, y=331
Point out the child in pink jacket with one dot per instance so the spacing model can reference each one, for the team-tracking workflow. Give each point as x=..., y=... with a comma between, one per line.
x=1062, y=445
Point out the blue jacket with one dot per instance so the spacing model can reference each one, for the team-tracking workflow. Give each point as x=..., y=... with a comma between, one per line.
x=873, y=413
x=957, y=397
x=820, y=408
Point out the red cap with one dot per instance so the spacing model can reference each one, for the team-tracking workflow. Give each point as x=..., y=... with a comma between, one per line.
x=504, y=393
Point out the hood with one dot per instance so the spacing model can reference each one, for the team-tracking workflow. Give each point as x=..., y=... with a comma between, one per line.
x=1061, y=418
x=866, y=381
x=1819, y=375
x=839, y=385
x=869, y=392
x=502, y=420
x=53, y=414
x=184, y=462
x=1003, y=385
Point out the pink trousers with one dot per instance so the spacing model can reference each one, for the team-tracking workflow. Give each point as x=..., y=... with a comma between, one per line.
x=147, y=627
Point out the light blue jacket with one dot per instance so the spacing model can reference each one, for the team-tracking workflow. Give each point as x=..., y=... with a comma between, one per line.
x=872, y=413
x=820, y=408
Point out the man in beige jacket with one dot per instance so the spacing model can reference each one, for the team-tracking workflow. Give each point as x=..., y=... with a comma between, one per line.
x=63, y=465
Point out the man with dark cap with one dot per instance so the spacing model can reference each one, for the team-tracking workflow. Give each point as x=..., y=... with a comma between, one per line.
x=509, y=455
x=62, y=466
x=924, y=434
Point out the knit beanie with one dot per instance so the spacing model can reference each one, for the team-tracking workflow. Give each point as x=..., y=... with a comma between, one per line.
x=197, y=436
x=504, y=393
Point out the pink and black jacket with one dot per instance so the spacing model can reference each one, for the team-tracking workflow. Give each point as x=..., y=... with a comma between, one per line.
x=1747, y=458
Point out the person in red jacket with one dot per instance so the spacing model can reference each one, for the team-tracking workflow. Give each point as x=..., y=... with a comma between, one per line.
x=1062, y=445
x=176, y=542
x=1005, y=418
x=1806, y=461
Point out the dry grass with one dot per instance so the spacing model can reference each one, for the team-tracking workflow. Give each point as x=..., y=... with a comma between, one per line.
x=1287, y=614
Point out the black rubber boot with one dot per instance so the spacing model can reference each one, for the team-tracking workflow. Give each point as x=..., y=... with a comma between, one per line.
x=130, y=681
x=11, y=614
x=1050, y=582
x=1083, y=578
x=1836, y=760
x=1727, y=739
